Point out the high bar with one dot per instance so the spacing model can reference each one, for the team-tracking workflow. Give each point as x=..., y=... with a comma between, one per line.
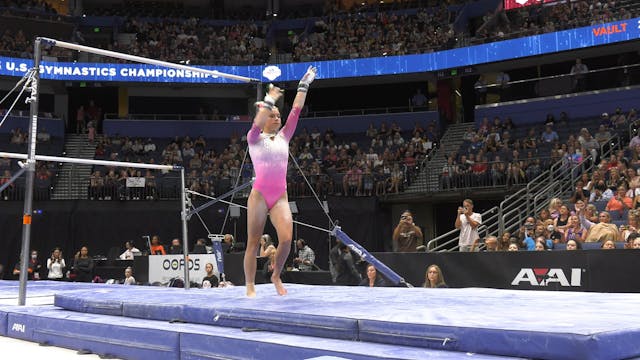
x=92, y=161
x=143, y=60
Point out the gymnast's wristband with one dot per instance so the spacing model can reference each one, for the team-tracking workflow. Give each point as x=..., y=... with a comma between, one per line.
x=264, y=105
x=303, y=86
x=269, y=100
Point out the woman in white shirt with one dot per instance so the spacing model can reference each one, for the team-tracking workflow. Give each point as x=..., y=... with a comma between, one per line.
x=56, y=265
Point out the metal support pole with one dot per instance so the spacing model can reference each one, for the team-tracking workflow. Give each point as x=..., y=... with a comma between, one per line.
x=185, y=242
x=30, y=168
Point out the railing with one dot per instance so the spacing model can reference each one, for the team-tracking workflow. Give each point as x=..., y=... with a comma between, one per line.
x=608, y=78
x=228, y=117
x=168, y=117
x=558, y=181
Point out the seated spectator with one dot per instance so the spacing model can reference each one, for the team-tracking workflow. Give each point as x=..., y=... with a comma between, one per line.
x=541, y=244
x=490, y=244
x=373, y=279
x=43, y=135
x=549, y=136
x=560, y=222
x=128, y=276
x=4, y=179
x=200, y=247
x=631, y=227
x=504, y=240
x=636, y=243
x=513, y=247
x=156, y=247
x=602, y=135
x=600, y=192
x=211, y=280
x=580, y=193
x=33, y=267
x=628, y=243
x=601, y=231
x=130, y=251
x=176, y=247
x=149, y=146
x=620, y=201
x=608, y=245
x=352, y=181
x=574, y=245
x=574, y=230
x=434, y=278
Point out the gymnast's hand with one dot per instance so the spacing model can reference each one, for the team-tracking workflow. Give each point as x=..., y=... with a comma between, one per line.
x=307, y=79
x=275, y=92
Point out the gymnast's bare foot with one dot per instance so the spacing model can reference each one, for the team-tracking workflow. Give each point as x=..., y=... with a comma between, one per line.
x=251, y=290
x=278, y=284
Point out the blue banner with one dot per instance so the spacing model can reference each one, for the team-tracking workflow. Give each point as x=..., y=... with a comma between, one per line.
x=217, y=251
x=573, y=39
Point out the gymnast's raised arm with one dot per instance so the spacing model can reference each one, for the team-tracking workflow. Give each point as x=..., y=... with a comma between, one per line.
x=298, y=103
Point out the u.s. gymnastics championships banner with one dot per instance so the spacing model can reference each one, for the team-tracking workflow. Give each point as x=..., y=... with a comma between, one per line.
x=579, y=38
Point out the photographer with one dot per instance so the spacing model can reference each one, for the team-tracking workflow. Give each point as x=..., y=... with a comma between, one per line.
x=467, y=221
x=406, y=236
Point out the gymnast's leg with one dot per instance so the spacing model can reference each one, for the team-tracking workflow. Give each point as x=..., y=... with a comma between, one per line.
x=280, y=215
x=256, y=218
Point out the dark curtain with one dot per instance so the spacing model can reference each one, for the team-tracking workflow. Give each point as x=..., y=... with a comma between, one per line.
x=102, y=225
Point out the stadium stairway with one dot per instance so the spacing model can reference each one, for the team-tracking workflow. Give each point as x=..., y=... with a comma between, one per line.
x=73, y=181
x=450, y=143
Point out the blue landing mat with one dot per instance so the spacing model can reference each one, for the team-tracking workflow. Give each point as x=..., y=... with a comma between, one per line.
x=149, y=339
x=534, y=324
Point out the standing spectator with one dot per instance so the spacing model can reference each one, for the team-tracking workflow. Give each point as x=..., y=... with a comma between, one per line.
x=467, y=221
x=578, y=73
x=80, y=119
x=373, y=280
x=418, y=99
x=406, y=236
x=434, y=278
x=83, y=265
x=346, y=273
x=481, y=91
x=56, y=265
x=306, y=257
x=502, y=80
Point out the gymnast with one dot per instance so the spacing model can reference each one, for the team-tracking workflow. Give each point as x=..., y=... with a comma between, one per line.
x=269, y=150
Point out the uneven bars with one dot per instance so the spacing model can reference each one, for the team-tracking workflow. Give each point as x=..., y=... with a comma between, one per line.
x=244, y=207
x=143, y=60
x=91, y=161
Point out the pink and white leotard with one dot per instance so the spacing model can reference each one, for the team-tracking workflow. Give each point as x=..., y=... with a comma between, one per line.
x=270, y=157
